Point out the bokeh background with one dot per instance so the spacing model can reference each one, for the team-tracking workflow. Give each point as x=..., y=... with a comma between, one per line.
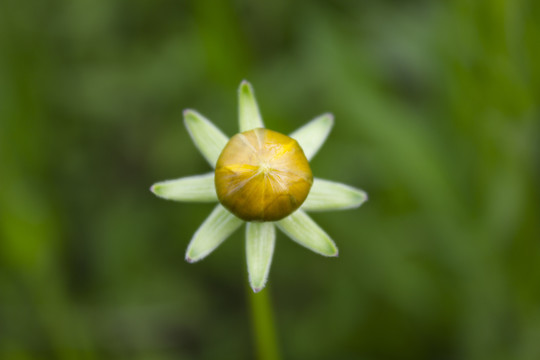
x=437, y=118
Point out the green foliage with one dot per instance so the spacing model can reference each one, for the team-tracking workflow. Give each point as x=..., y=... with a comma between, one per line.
x=437, y=118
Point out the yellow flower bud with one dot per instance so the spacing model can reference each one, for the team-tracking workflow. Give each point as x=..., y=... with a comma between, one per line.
x=262, y=175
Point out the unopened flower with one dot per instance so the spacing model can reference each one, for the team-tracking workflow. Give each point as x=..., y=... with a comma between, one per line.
x=261, y=178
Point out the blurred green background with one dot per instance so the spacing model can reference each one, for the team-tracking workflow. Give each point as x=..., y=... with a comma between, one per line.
x=437, y=118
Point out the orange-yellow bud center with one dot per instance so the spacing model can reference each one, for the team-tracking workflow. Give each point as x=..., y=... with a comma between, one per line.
x=262, y=175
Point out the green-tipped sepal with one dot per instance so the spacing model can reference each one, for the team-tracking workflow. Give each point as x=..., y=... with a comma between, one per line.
x=302, y=229
x=313, y=135
x=219, y=225
x=207, y=137
x=260, y=242
x=329, y=195
x=198, y=188
x=249, y=114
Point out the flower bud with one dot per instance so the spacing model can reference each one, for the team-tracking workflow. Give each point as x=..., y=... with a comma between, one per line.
x=262, y=175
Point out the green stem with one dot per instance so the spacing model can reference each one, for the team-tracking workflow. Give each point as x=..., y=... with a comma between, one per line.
x=264, y=332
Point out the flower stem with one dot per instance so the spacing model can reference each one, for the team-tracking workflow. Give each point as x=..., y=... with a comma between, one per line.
x=263, y=325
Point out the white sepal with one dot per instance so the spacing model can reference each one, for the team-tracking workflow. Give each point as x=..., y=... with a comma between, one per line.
x=249, y=114
x=313, y=135
x=219, y=225
x=330, y=195
x=207, y=137
x=198, y=188
x=260, y=242
x=302, y=229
